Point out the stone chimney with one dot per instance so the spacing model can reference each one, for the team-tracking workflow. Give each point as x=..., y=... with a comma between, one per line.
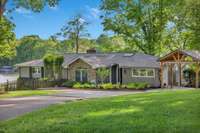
x=91, y=51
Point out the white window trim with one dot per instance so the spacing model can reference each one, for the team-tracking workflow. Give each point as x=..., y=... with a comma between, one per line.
x=146, y=73
x=37, y=73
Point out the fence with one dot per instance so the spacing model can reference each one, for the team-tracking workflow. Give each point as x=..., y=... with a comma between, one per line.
x=8, y=86
x=24, y=83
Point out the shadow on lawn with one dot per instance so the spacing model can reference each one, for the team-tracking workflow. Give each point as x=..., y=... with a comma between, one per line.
x=150, y=113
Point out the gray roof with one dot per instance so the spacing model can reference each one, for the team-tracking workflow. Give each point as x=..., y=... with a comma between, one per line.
x=97, y=60
x=33, y=63
x=108, y=59
x=192, y=53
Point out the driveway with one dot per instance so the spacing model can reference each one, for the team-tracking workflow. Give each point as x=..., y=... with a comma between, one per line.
x=12, y=107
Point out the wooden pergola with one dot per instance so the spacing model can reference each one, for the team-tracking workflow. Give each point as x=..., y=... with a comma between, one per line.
x=180, y=58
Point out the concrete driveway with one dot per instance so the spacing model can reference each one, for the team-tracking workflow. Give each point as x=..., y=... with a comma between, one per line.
x=12, y=107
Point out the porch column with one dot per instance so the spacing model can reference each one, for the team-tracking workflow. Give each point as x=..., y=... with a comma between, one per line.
x=30, y=72
x=171, y=75
x=110, y=77
x=117, y=74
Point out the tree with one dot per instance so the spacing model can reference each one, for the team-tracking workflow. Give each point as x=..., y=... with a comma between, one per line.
x=49, y=66
x=33, y=47
x=192, y=9
x=110, y=44
x=58, y=61
x=140, y=22
x=53, y=66
x=34, y=5
x=74, y=30
x=7, y=38
x=102, y=74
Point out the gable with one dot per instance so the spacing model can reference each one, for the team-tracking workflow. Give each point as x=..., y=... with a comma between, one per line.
x=79, y=63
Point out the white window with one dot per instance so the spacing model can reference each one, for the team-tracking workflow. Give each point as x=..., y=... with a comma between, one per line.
x=139, y=72
x=36, y=72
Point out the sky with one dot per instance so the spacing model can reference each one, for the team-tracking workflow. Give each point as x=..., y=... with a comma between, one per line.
x=50, y=20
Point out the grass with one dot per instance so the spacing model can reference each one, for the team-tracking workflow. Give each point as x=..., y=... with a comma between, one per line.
x=156, y=112
x=26, y=93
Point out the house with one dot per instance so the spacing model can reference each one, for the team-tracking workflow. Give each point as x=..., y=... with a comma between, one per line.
x=123, y=67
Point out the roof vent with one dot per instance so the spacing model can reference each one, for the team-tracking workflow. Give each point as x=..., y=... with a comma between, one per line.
x=128, y=54
x=91, y=51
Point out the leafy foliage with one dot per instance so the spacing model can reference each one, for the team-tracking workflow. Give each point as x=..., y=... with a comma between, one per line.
x=7, y=38
x=102, y=74
x=75, y=29
x=53, y=65
x=84, y=86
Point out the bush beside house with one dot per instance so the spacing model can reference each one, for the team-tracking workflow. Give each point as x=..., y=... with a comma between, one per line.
x=106, y=86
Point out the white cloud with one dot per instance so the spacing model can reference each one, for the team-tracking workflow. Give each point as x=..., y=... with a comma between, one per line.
x=82, y=20
x=23, y=11
x=55, y=8
x=93, y=12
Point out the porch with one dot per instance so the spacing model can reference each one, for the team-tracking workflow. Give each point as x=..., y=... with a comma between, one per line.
x=173, y=64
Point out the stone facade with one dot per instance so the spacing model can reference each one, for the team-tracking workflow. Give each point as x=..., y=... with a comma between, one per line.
x=80, y=64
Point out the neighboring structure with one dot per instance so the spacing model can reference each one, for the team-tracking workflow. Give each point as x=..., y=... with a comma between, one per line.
x=124, y=68
x=173, y=65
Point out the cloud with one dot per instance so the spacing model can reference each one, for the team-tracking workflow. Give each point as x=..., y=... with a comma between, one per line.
x=82, y=20
x=23, y=11
x=93, y=12
x=54, y=8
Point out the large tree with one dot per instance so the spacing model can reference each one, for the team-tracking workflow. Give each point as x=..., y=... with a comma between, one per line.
x=7, y=36
x=34, y=5
x=141, y=22
x=33, y=47
x=75, y=29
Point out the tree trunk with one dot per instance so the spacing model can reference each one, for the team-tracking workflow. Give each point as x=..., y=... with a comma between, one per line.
x=2, y=7
x=77, y=45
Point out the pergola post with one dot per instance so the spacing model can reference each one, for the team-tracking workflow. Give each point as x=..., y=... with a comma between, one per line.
x=180, y=74
x=171, y=75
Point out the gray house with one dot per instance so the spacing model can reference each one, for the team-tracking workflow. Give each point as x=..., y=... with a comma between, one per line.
x=124, y=68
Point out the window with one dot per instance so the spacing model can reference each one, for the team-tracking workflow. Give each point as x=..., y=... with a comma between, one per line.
x=81, y=75
x=136, y=72
x=36, y=72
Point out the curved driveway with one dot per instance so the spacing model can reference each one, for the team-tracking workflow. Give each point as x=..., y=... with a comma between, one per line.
x=12, y=107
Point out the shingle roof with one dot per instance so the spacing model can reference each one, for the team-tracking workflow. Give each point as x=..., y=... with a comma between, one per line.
x=192, y=53
x=33, y=63
x=107, y=59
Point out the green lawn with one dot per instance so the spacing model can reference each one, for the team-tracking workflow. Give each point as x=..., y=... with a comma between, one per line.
x=26, y=93
x=157, y=112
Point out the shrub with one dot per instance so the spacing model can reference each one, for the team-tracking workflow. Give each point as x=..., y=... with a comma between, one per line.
x=84, y=85
x=139, y=85
x=106, y=86
x=69, y=83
